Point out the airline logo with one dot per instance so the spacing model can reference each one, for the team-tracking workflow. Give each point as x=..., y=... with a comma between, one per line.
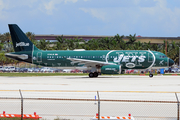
x=22, y=44
x=123, y=58
x=130, y=65
x=129, y=60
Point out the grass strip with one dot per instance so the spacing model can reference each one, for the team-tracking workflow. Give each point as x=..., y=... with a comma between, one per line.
x=68, y=74
x=41, y=74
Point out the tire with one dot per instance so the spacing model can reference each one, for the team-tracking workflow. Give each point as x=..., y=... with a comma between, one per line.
x=95, y=74
x=91, y=75
x=150, y=75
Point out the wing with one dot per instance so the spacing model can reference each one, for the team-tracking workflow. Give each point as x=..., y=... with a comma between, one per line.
x=89, y=63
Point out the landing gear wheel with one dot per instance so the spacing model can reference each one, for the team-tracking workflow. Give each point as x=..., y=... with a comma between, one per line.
x=150, y=75
x=95, y=74
x=91, y=75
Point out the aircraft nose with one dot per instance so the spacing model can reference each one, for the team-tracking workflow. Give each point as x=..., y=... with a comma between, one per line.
x=171, y=62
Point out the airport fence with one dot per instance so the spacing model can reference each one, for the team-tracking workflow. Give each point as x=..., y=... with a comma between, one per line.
x=83, y=105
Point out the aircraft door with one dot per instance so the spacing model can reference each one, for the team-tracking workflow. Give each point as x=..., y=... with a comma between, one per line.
x=39, y=57
x=150, y=58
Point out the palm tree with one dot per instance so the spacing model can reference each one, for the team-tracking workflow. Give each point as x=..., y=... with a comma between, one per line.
x=30, y=35
x=173, y=52
x=6, y=37
x=60, y=45
x=69, y=44
x=146, y=46
x=43, y=44
x=137, y=46
x=93, y=44
x=1, y=46
x=118, y=38
x=131, y=38
x=1, y=38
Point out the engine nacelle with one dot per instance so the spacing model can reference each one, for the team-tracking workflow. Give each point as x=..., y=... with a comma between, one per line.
x=111, y=69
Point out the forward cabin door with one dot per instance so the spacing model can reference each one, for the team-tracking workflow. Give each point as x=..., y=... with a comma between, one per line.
x=150, y=58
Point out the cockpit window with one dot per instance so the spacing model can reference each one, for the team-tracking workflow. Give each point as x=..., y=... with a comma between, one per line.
x=162, y=56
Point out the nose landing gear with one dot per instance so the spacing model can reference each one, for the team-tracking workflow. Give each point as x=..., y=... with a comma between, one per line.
x=150, y=75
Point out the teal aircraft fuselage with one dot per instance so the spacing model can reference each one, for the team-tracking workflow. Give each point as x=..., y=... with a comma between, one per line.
x=104, y=61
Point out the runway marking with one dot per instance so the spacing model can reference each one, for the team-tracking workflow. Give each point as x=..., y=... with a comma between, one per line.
x=89, y=91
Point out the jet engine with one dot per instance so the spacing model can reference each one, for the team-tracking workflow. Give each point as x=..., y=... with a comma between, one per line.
x=111, y=69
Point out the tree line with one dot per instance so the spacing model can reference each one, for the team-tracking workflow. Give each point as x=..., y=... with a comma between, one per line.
x=116, y=42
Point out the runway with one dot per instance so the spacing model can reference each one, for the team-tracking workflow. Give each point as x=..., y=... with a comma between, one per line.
x=141, y=88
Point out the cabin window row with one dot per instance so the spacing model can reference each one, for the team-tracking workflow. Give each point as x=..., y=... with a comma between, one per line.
x=79, y=56
x=74, y=57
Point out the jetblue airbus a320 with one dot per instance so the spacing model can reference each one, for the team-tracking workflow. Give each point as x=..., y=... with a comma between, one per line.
x=98, y=61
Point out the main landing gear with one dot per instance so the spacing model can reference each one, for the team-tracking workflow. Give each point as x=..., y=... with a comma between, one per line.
x=91, y=74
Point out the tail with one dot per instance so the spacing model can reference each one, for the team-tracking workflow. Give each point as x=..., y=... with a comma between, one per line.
x=23, y=47
x=20, y=41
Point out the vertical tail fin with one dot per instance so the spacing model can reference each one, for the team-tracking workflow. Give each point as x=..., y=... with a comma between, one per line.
x=20, y=40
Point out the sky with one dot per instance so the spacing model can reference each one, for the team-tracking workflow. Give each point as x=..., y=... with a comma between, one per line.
x=147, y=18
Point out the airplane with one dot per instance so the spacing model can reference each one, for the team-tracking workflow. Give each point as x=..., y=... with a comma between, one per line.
x=97, y=61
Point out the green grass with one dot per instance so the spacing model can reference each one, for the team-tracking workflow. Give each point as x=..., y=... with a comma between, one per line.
x=41, y=74
x=62, y=74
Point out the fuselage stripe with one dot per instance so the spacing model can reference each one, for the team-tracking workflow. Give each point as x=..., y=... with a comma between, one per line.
x=108, y=55
x=153, y=60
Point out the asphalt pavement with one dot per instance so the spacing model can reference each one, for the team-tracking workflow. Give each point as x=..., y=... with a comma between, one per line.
x=67, y=96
